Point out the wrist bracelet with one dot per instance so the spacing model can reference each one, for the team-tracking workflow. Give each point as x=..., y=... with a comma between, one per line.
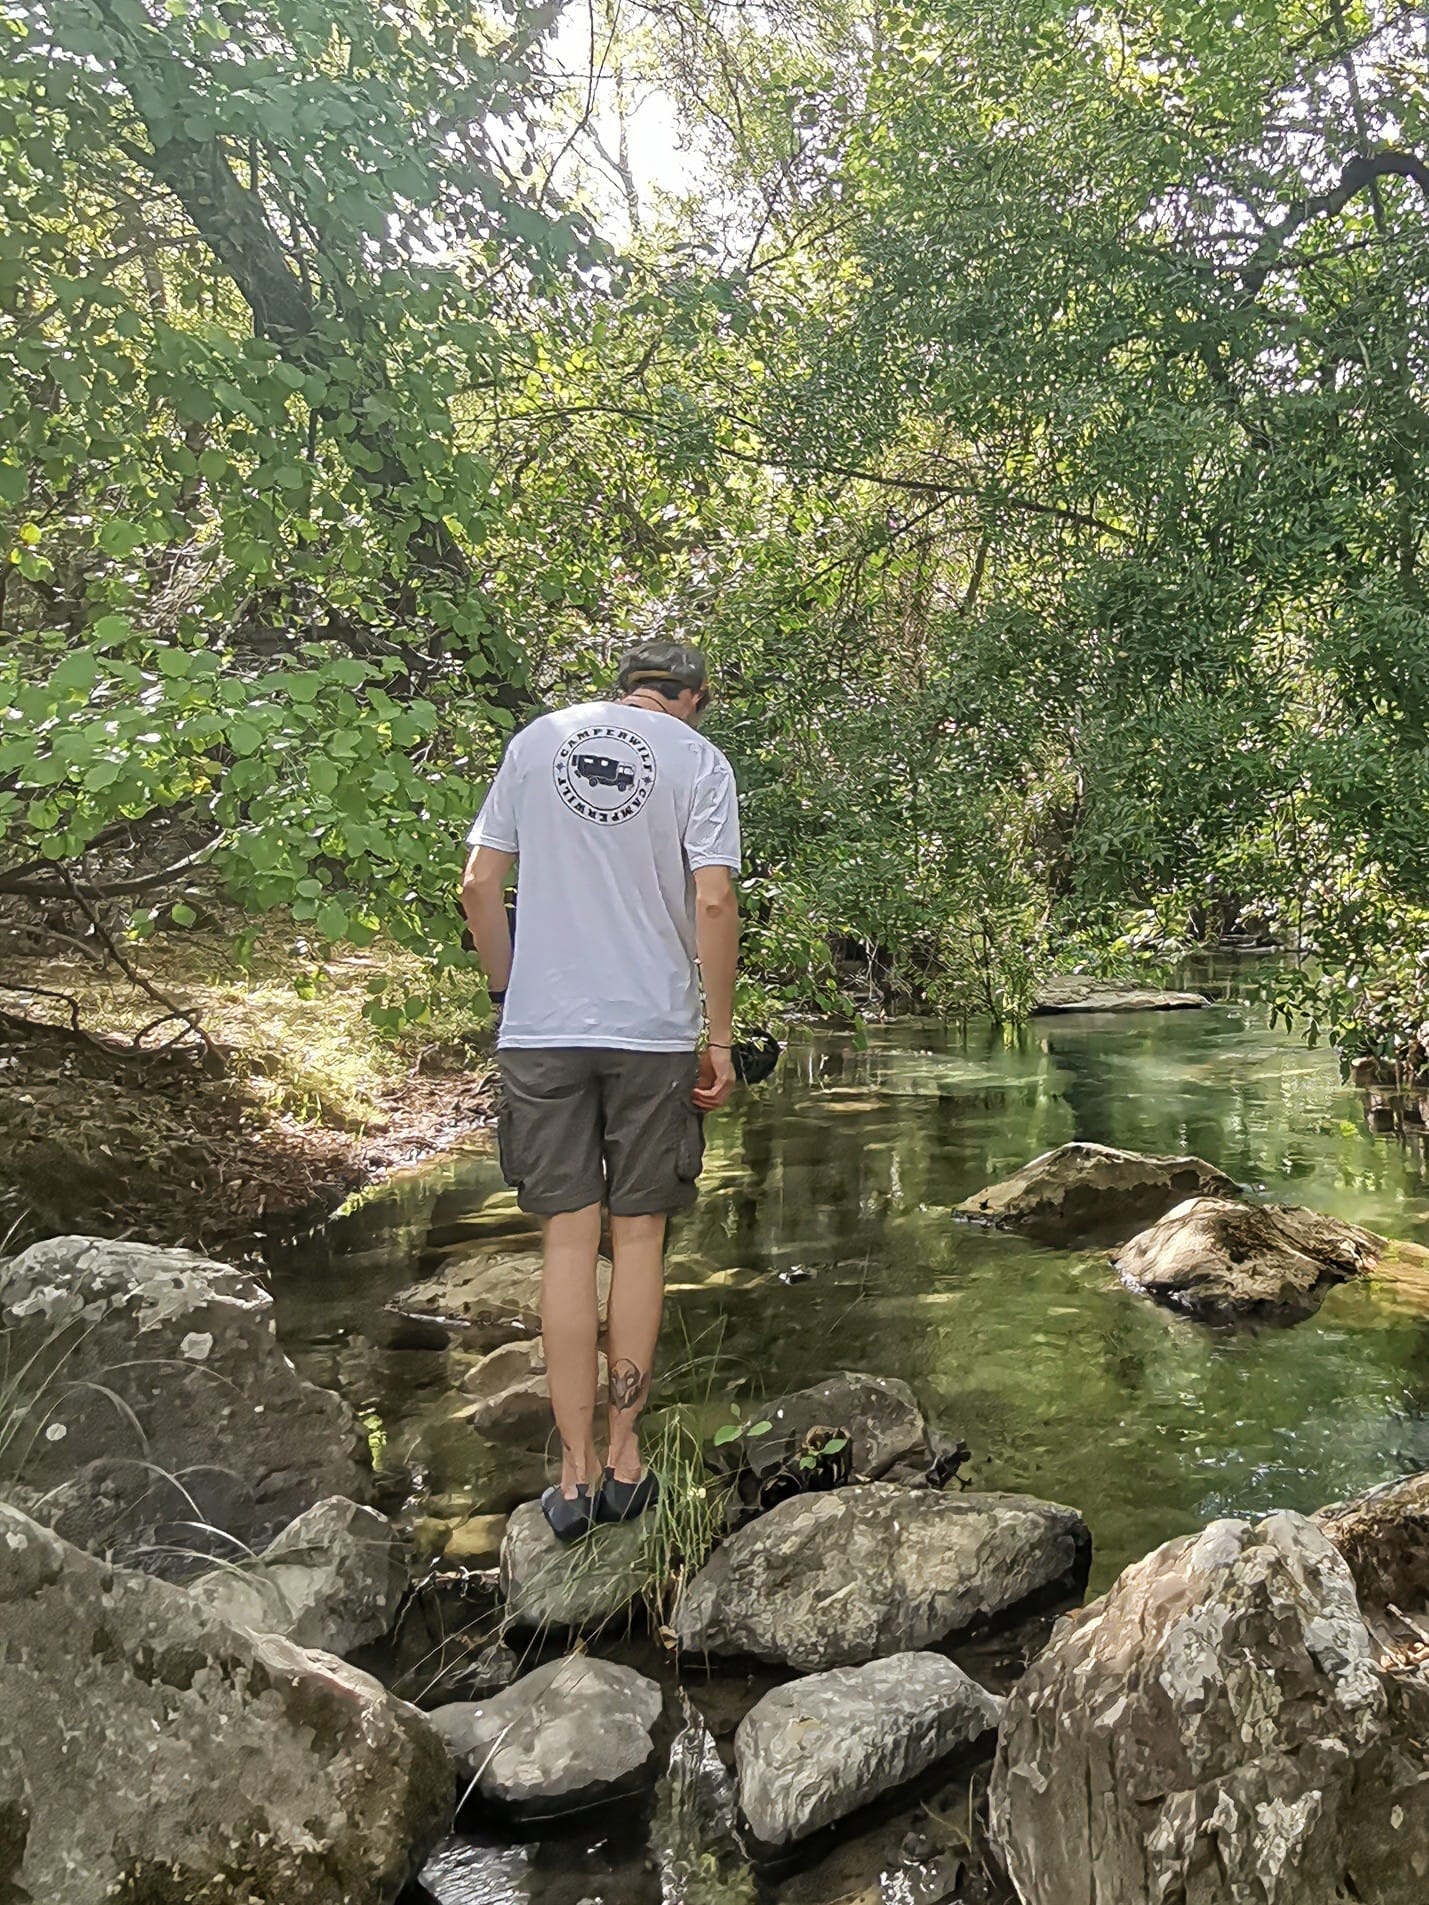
x=715, y=1045
x=497, y=996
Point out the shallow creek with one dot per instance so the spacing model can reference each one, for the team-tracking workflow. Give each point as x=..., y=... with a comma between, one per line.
x=824, y=1240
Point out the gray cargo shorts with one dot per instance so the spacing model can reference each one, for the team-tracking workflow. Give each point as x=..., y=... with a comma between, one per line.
x=578, y=1127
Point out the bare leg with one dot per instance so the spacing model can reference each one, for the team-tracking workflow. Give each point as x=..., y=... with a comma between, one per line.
x=568, y=1328
x=637, y=1293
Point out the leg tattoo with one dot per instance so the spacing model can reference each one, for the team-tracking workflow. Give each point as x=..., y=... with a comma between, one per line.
x=627, y=1386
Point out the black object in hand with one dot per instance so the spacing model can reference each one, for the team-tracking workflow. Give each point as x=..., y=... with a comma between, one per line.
x=755, y=1057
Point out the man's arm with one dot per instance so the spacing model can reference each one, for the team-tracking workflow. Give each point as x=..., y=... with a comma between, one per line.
x=483, y=900
x=717, y=943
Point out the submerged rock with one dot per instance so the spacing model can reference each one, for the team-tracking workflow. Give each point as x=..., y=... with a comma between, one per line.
x=1071, y=992
x=511, y=1396
x=333, y=1579
x=476, y=1542
x=1215, y=1729
x=834, y=1580
x=574, y=1731
x=879, y=1414
x=816, y=1750
x=556, y=1584
x=156, y=1399
x=1219, y=1259
x=164, y=1755
x=488, y=1296
x=1091, y=1193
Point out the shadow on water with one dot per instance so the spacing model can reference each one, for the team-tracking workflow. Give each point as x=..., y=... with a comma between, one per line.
x=824, y=1240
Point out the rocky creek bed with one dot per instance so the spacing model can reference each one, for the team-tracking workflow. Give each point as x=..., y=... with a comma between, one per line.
x=310, y=1625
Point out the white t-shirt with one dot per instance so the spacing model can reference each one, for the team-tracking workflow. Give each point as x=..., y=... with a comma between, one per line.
x=612, y=810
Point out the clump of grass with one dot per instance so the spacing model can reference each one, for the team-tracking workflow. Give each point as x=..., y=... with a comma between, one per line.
x=691, y=1514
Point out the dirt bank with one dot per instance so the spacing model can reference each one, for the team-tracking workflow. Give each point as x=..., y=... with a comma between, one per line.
x=295, y=1102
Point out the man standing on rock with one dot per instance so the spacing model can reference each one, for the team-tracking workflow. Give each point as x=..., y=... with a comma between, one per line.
x=625, y=822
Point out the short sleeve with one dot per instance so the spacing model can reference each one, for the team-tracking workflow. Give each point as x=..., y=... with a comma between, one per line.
x=495, y=825
x=712, y=831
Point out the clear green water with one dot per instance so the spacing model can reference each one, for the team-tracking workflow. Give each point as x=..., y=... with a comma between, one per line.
x=824, y=1239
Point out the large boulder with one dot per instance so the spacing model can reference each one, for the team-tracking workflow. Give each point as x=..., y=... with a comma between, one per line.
x=333, y=1579
x=1219, y=1259
x=1091, y=1193
x=1213, y=1729
x=556, y=1584
x=813, y=1751
x=155, y=1403
x=166, y=1757
x=572, y=1732
x=487, y=1297
x=834, y=1580
x=1073, y=992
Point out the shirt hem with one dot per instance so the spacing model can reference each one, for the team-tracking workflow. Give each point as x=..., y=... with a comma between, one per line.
x=595, y=1042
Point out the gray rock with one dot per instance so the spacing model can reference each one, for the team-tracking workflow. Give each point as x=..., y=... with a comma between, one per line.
x=553, y=1584
x=1218, y=1259
x=837, y=1579
x=166, y=1756
x=573, y=1731
x=333, y=1579
x=158, y=1398
x=1215, y=1729
x=882, y=1417
x=818, y=1749
x=488, y=1295
x=1091, y=1193
x=1071, y=992
x=511, y=1396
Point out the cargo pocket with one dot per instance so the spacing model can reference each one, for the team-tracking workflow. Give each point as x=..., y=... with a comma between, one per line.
x=506, y=1146
x=690, y=1151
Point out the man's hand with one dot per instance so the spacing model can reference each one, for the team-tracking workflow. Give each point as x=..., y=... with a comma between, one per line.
x=716, y=1078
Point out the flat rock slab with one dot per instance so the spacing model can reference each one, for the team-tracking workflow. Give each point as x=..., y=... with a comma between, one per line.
x=166, y=1756
x=838, y=1579
x=488, y=1297
x=1384, y=1537
x=1083, y=1194
x=333, y=1579
x=160, y=1399
x=1215, y=1729
x=816, y=1750
x=1222, y=1260
x=579, y=1584
x=572, y=1732
x=1071, y=993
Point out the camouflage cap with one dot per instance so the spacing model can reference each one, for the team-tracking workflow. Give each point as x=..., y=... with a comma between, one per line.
x=650, y=662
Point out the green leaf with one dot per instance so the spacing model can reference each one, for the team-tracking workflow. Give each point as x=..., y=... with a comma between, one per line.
x=727, y=1432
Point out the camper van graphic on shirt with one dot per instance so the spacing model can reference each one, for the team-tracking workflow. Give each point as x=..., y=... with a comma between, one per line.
x=602, y=770
x=605, y=773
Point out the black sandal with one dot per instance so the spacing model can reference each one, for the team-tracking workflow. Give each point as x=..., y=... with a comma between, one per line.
x=625, y=1501
x=569, y=1516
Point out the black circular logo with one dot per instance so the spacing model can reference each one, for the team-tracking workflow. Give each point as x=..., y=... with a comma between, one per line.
x=605, y=774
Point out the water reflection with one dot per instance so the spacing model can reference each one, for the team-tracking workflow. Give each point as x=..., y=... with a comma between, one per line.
x=824, y=1239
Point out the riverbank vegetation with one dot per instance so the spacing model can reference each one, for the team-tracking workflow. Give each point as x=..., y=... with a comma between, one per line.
x=1023, y=403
